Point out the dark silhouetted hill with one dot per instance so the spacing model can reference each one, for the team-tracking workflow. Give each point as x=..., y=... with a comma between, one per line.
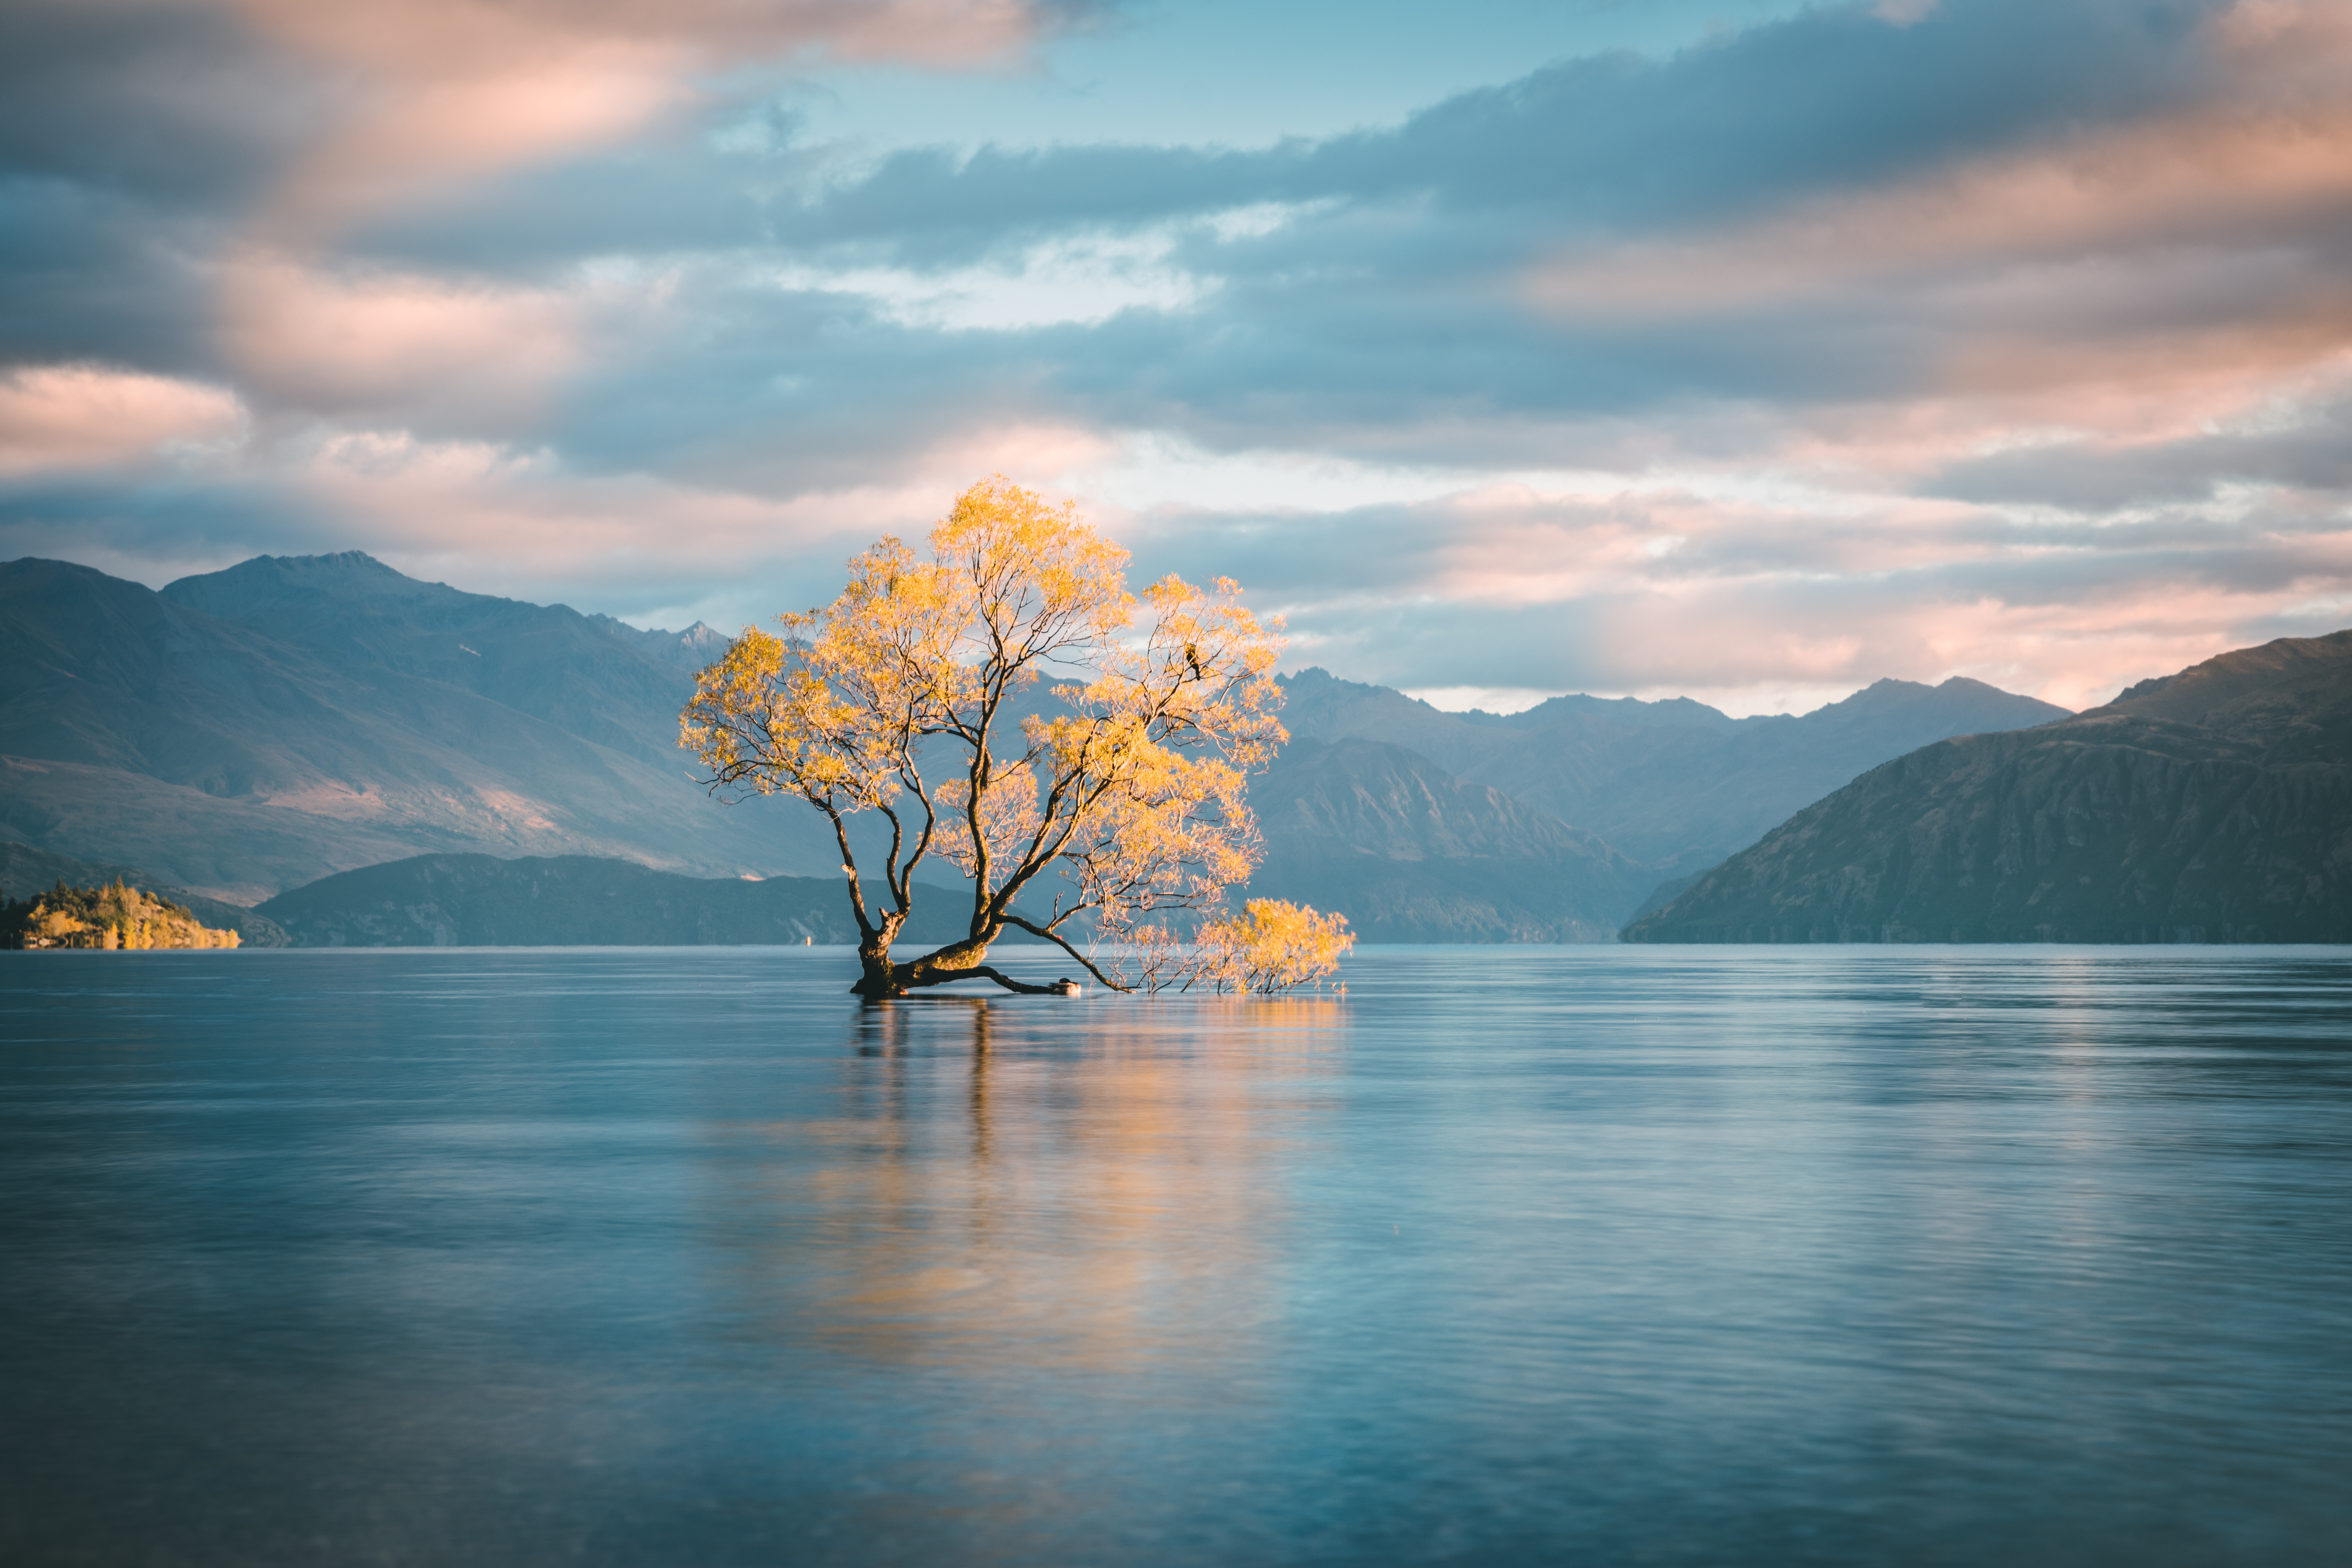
x=577, y=901
x=2210, y=805
x=1410, y=853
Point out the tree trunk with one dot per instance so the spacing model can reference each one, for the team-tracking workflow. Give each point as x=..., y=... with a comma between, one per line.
x=879, y=977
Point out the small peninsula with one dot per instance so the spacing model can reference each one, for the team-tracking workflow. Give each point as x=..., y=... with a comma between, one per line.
x=116, y=917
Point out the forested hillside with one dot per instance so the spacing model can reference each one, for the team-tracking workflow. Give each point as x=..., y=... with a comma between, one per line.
x=111, y=917
x=2210, y=805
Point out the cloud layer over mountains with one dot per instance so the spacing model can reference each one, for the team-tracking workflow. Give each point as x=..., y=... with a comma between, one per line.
x=2009, y=339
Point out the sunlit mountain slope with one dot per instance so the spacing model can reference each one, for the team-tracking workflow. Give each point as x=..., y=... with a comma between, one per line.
x=336, y=714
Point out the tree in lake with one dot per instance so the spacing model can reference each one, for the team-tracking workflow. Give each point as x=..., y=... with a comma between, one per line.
x=1117, y=803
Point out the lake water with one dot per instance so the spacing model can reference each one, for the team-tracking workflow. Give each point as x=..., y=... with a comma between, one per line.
x=1615, y=1254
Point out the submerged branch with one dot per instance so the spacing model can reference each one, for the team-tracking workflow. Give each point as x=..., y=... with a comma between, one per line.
x=988, y=971
x=1059, y=941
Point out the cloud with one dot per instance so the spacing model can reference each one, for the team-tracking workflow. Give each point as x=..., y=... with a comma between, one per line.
x=1656, y=590
x=1081, y=280
x=419, y=347
x=83, y=416
x=2292, y=443
x=443, y=90
x=2177, y=182
x=2009, y=339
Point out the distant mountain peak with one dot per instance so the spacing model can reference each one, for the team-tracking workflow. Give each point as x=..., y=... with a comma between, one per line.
x=266, y=581
x=1316, y=683
x=1316, y=680
x=1675, y=783
x=334, y=560
x=690, y=649
x=1634, y=712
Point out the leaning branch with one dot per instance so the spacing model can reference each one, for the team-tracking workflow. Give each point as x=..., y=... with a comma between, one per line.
x=848, y=866
x=1057, y=939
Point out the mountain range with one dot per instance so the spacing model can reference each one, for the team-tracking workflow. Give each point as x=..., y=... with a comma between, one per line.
x=249, y=731
x=1424, y=826
x=2210, y=805
x=1676, y=784
x=1412, y=853
x=244, y=734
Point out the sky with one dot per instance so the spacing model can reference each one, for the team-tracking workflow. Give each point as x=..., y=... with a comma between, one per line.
x=1741, y=349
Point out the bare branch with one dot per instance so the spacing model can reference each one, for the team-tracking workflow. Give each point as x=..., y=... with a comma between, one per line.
x=1059, y=941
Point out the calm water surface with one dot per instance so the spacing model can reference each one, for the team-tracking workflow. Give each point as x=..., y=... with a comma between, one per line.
x=1843, y=1256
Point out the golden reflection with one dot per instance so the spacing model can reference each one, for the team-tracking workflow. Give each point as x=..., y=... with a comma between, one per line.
x=971, y=1189
x=1316, y=1019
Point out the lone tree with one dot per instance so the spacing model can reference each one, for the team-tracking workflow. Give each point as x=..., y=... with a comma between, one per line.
x=1121, y=800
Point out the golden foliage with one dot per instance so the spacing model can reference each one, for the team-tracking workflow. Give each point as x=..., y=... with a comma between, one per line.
x=1271, y=946
x=107, y=918
x=911, y=695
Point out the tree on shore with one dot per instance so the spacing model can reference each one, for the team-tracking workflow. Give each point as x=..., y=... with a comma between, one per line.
x=1121, y=804
x=116, y=917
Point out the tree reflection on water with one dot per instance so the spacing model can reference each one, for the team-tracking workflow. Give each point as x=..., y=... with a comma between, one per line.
x=1005, y=1185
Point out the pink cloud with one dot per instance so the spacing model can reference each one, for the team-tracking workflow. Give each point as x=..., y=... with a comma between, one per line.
x=430, y=36
x=510, y=519
x=437, y=89
x=1760, y=603
x=1727, y=642
x=2181, y=181
x=86, y=416
x=334, y=340
x=406, y=137
x=2132, y=284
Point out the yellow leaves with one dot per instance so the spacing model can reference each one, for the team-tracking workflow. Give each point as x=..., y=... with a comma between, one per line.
x=108, y=919
x=1008, y=819
x=766, y=717
x=1126, y=793
x=1271, y=946
x=1040, y=580
x=58, y=928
